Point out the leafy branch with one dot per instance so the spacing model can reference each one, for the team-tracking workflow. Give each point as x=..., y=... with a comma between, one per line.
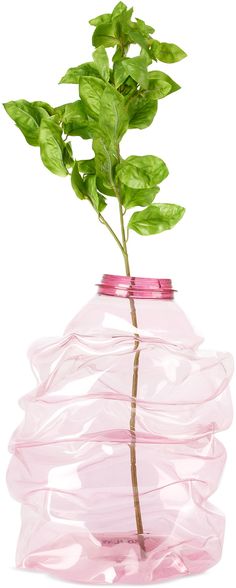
x=113, y=98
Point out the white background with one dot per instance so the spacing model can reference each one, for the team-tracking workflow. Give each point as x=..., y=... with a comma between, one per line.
x=53, y=250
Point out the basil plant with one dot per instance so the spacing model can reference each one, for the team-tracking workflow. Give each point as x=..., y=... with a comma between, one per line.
x=113, y=98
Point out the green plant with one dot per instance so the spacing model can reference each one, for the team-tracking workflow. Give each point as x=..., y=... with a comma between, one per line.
x=112, y=100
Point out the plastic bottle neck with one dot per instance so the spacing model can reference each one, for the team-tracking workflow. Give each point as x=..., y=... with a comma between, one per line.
x=135, y=287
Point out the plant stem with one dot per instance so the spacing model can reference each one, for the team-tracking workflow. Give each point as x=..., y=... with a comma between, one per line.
x=134, y=476
x=132, y=446
x=133, y=465
x=104, y=222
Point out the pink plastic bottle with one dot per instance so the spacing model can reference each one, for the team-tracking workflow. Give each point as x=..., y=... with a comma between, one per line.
x=75, y=456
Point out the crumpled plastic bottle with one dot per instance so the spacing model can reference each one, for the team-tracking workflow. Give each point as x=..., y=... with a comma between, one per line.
x=72, y=466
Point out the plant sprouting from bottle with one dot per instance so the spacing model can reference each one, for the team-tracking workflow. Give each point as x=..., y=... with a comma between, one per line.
x=112, y=99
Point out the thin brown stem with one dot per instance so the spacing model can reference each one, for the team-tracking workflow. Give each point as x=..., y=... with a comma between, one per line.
x=132, y=425
x=133, y=462
x=132, y=446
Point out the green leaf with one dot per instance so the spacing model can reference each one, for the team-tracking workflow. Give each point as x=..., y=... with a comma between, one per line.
x=156, y=218
x=158, y=90
x=75, y=120
x=86, y=166
x=68, y=155
x=142, y=111
x=87, y=189
x=160, y=84
x=102, y=19
x=135, y=35
x=77, y=182
x=153, y=48
x=52, y=147
x=113, y=118
x=169, y=53
x=142, y=171
x=91, y=90
x=131, y=198
x=27, y=118
x=106, y=158
x=59, y=111
x=123, y=20
x=102, y=187
x=120, y=8
x=49, y=109
x=106, y=35
x=129, y=88
x=102, y=62
x=73, y=74
x=98, y=200
x=136, y=68
x=102, y=203
x=146, y=53
x=144, y=28
x=119, y=54
x=120, y=73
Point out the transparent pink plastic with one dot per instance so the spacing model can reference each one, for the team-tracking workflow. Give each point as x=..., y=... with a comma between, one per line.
x=71, y=467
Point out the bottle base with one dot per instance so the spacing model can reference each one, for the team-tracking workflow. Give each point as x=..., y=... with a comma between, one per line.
x=119, y=558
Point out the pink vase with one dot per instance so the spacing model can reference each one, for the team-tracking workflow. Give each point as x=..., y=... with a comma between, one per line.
x=114, y=488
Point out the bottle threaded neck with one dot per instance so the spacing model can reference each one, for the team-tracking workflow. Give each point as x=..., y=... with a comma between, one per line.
x=135, y=287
